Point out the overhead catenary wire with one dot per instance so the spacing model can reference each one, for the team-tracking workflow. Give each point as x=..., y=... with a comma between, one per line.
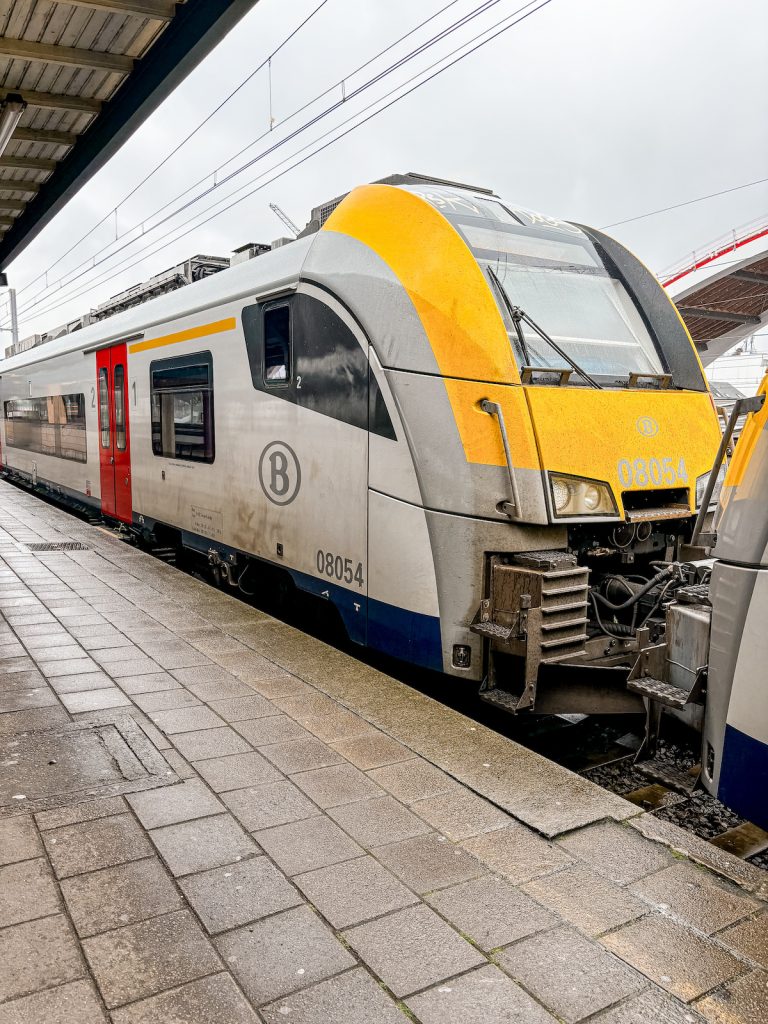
x=509, y=21
x=688, y=202
x=114, y=211
x=88, y=263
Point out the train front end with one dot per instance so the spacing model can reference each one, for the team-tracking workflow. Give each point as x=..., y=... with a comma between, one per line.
x=624, y=431
x=561, y=431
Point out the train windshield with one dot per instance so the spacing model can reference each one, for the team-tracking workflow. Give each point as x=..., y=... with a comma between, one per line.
x=551, y=270
x=563, y=286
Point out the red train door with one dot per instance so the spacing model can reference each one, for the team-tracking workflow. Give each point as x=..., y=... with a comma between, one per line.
x=114, y=437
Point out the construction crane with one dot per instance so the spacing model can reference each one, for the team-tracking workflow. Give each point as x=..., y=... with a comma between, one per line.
x=285, y=219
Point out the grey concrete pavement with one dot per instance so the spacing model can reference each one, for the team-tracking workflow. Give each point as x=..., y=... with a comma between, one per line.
x=207, y=816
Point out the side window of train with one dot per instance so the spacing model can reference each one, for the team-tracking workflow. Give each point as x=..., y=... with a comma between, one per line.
x=181, y=392
x=301, y=350
x=277, y=344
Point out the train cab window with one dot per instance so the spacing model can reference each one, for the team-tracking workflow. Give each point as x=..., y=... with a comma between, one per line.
x=120, y=432
x=277, y=345
x=104, y=408
x=182, y=407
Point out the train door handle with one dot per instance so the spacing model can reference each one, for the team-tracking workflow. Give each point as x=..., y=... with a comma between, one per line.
x=112, y=460
x=126, y=481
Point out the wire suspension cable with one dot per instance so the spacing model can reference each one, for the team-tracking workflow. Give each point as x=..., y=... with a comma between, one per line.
x=245, y=148
x=500, y=27
x=93, y=263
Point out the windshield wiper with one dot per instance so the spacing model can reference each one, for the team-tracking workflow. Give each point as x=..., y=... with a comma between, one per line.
x=519, y=316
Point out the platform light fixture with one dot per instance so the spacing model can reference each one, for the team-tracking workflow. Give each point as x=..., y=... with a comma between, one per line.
x=11, y=109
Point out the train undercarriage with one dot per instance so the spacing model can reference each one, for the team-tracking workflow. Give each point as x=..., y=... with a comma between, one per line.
x=565, y=628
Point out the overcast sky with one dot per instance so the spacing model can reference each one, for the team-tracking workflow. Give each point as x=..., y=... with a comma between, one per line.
x=591, y=110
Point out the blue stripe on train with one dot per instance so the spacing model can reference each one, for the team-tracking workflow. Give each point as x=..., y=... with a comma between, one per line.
x=410, y=636
x=743, y=783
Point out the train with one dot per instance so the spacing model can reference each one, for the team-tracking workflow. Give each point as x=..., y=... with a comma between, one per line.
x=479, y=434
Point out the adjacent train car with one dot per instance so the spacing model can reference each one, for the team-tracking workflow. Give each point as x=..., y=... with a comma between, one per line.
x=471, y=428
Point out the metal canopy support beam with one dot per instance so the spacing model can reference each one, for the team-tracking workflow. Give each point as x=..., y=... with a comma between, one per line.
x=196, y=28
x=750, y=275
x=21, y=49
x=54, y=101
x=717, y=314
x=158, y=10
x=6, y=222
x=27, y=163
x=44, y=137
x=10, y=185
x=12, y=204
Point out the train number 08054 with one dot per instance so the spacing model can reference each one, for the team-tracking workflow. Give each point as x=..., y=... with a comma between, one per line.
x=652, y=472
x=339, y=568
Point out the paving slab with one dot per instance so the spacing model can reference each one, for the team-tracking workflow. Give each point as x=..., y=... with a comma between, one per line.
x=305, y=845
x=491, y=911
x=429, y=862
x=485, y=994
x=66, y=1004
x=354, y=891
x=749, y=939
x=142, y=959
x=676, y=959
x=188, y=800
x=378, y=820
x=585, y=899
x=82, y=810
x=372, y=750
x=197, y=746
x=94, y=700
x=265, y=731
x=745, y=999
x=570, y=975
x=233, y=895
x=460, y=814
x=18, y=839
x=616, y=851
x=349, y=998
x=336, y=785
x=113, y=897
x=237, y=771
x=412, y=948
x=650, y=1007
x=185, y=720
x=517, y=853
x=283, y=953
x=27, y=891
x=300, y=755
x=242, y=709
x=695, y=897
x=36, y=955
x=202, y=844
x=90, y=845
x=212, y=1000
x=274, y=803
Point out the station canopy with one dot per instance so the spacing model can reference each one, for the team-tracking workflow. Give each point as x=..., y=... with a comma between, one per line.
x=77, y=78
x=722, y=293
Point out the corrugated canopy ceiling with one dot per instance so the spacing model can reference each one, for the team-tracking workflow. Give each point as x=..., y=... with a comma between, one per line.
x=90, y=71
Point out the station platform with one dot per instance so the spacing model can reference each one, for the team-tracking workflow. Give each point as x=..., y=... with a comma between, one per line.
x=209, y=817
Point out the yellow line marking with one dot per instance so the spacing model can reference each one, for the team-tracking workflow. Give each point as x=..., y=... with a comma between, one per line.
x=219, y=327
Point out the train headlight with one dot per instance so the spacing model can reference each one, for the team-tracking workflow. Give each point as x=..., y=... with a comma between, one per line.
x=575, y=496
x=701, y=486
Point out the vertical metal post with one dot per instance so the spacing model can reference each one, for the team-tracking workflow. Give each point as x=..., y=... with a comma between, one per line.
x=14, y=317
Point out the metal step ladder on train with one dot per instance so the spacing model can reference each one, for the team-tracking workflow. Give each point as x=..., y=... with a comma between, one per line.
x=659, y=677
